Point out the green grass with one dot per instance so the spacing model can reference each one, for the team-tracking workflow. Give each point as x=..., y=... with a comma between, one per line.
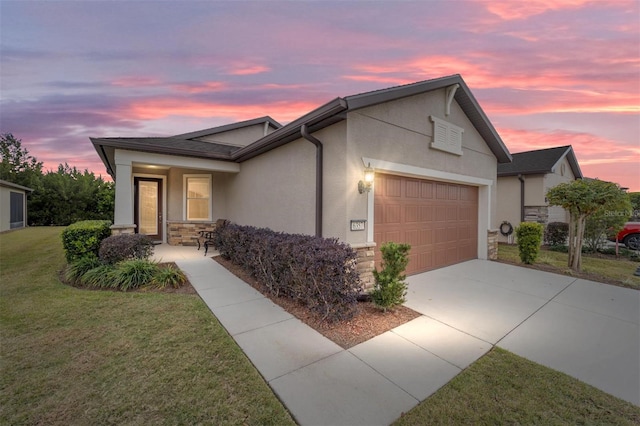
x=597, y=268
x=503, y=388
x=72, y=356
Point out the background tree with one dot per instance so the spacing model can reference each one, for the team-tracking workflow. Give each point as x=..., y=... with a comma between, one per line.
x=606, y=222
x=16, y=164
x=59, y=197
x=634, y=197
x=583, y=198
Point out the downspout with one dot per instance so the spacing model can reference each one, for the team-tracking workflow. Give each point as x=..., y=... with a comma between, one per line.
x=521, y=179
x=304, y=131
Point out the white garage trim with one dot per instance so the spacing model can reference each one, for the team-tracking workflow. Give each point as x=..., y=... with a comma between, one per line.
x=484, y=194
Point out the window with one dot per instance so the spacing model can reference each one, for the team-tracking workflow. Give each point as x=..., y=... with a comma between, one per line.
x=198, y=197
x=446, y=136
x=16, y=207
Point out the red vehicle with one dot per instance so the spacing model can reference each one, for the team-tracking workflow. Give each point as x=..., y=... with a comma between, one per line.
x=630, y=235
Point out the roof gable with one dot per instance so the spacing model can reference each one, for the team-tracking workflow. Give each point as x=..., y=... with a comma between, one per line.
x=540, y=161
x=191, y=144
x=266, y=120
x=336, y=110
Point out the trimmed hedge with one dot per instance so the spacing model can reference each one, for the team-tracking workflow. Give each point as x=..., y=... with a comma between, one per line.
x=318, y=272
x=117, y=248
x=83, y=238
x=556, y=234
x=529, y=238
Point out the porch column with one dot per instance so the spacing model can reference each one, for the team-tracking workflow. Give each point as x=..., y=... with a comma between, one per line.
x=123, y=214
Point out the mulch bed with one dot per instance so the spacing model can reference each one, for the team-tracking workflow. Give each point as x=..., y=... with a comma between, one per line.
x=369, y=321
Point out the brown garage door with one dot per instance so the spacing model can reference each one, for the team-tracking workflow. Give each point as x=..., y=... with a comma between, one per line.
x=438, y=219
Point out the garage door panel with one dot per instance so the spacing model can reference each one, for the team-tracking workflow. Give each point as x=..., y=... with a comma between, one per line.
x=393, y=214
x=412, y=213
x=426, y=213
x=412, y=189
x=441, y=191
x=438, y=219
x=426, y=190
x=452, y=213
x=441, y=213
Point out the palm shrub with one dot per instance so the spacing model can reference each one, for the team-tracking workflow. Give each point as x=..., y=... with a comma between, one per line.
x=168, y=276
x=133, y=274
x=102, y=276
x=390, y=288
x=529, y=238
x=77, y=268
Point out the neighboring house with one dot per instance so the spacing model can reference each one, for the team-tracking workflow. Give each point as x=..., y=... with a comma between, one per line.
x=433, y=150
x=13, y=206
x=523, y=184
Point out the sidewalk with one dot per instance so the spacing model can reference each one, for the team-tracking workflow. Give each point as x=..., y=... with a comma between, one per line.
x=319, y=382
x=588, y=330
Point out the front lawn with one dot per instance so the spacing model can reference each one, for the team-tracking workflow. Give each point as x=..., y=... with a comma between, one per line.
x=72, y=356
x=503, y=388
x=596, y=267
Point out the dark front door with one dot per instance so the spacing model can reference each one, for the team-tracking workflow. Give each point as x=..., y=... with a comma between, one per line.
x=148, y=207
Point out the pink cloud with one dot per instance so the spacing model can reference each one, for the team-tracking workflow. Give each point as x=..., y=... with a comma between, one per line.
x=153, y=109
x=512, y=10
x=192, y=88
x=248, y=69
x=135, y=81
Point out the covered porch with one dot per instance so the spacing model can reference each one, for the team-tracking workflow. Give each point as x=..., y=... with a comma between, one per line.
x=167, y=197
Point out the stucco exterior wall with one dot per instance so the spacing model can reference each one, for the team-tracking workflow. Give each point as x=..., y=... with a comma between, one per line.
x=534, y=190
x=276, y=190
x=508, y=203
x=401, y=132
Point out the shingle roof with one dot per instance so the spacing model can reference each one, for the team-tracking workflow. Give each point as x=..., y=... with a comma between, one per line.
x=540, y=161
x=323, y=116
x=336, y=110
x=171, y=145
x=228, y=127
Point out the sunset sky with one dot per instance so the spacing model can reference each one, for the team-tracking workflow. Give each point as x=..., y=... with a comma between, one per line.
x=546, y=72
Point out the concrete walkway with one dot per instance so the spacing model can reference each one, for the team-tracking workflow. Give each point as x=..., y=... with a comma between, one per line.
x=588, y=330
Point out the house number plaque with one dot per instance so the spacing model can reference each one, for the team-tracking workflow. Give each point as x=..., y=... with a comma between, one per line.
x=358, y=225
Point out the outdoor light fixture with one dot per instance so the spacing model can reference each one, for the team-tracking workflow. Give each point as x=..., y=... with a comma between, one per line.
x=369, y=175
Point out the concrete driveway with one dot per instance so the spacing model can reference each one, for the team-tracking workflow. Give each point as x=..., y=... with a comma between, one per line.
x=588, y=330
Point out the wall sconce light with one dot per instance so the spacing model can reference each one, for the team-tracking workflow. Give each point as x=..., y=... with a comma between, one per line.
x=369, y=176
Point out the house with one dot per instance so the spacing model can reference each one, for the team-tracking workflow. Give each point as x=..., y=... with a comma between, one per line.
x=523, y=184
x=13, y=206
x=433, y=150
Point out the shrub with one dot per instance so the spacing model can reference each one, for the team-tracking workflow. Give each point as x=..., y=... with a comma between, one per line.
x=168, y=276
x=76, y=269
x=133, y=274
x=390, y=288
x=83, y=238
x=556, y=234
x=318, y=272
x=118, y=248
x=529, y=238
x=102, y=276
